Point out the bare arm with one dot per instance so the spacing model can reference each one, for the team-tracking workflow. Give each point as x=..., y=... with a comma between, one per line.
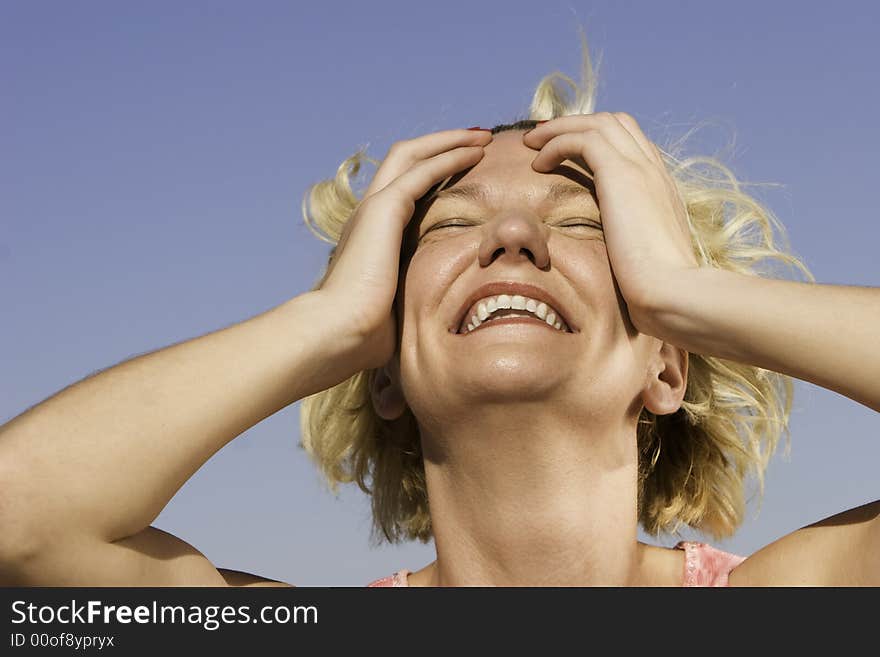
x=824, y=334
x=84, y=473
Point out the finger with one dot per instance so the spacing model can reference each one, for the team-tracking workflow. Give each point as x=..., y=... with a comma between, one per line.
x=376, y=229
x=418, y=179
x=654, y=153
x=613, y=131
x=591, y=145
x=396, y=201
x=648, y=148
x=404, y=154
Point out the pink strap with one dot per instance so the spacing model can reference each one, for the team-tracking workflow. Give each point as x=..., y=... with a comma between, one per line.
x=705, y=565
x=400, y=578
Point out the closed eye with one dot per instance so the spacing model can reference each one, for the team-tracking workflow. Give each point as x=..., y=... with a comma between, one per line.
x=587, y=222
x=458, y=223
x=455, y=223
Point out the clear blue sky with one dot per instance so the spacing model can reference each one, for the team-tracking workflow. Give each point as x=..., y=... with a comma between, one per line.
x=155, y=156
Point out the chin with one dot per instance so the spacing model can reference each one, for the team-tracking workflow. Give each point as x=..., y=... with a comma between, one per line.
x=503, y=383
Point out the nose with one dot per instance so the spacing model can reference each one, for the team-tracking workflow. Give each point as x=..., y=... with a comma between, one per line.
x=515, y=235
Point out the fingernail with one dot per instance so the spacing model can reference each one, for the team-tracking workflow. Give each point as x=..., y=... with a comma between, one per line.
x=476, y=127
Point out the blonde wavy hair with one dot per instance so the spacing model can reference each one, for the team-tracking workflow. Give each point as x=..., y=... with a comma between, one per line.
x=693, y=464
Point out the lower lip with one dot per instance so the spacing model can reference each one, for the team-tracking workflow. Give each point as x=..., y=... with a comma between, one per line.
x=524, y=321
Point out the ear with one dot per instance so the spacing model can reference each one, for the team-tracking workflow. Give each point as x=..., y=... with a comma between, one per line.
x=666, y=379
x=387, y=395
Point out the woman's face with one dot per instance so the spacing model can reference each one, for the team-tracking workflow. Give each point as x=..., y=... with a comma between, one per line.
x=518, y=231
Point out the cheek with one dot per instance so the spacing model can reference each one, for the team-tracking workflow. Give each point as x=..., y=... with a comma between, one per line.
x=586, y=266
x=423, y=303
x=434, y=268
x=419, y=291
x=588, y=269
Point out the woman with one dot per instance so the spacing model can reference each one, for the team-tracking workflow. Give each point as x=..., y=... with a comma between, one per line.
x=550, y=330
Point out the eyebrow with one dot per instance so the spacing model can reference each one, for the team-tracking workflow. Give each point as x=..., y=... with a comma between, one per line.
x=475, y=192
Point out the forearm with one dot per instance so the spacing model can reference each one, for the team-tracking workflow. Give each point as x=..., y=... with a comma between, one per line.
x=824, y=334
x=105, y=455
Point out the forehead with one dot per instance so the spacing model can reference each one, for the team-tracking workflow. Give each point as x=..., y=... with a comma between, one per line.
x=505, y=175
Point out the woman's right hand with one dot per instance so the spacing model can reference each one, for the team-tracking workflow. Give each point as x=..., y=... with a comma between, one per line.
x=359, y=287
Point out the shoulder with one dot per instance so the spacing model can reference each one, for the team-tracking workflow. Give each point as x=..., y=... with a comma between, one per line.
x=239, y=578
x=841, y=550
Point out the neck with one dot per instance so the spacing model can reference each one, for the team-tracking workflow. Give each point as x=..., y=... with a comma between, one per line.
x=517, y=500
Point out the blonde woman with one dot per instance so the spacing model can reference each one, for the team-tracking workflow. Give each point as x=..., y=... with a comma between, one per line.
x=528, y=341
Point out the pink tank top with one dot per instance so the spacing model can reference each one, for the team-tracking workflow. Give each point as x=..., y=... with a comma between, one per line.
x=704, y=565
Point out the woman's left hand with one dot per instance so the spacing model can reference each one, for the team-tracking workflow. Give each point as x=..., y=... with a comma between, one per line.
x=643, y=218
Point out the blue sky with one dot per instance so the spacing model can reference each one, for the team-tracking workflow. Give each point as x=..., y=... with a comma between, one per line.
x=156, y=155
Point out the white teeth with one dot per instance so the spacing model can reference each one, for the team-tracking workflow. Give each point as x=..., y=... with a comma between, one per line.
x=484, y=310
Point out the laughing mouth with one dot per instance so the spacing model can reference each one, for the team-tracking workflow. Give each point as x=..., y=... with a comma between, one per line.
x=531, y=312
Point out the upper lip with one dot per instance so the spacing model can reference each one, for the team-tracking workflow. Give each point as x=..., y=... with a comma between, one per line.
x=511, y=288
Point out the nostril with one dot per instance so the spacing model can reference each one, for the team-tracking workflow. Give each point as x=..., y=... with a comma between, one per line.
x=523, y=251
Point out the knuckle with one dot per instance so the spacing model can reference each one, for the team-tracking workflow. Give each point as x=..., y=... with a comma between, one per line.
x=623, y=117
